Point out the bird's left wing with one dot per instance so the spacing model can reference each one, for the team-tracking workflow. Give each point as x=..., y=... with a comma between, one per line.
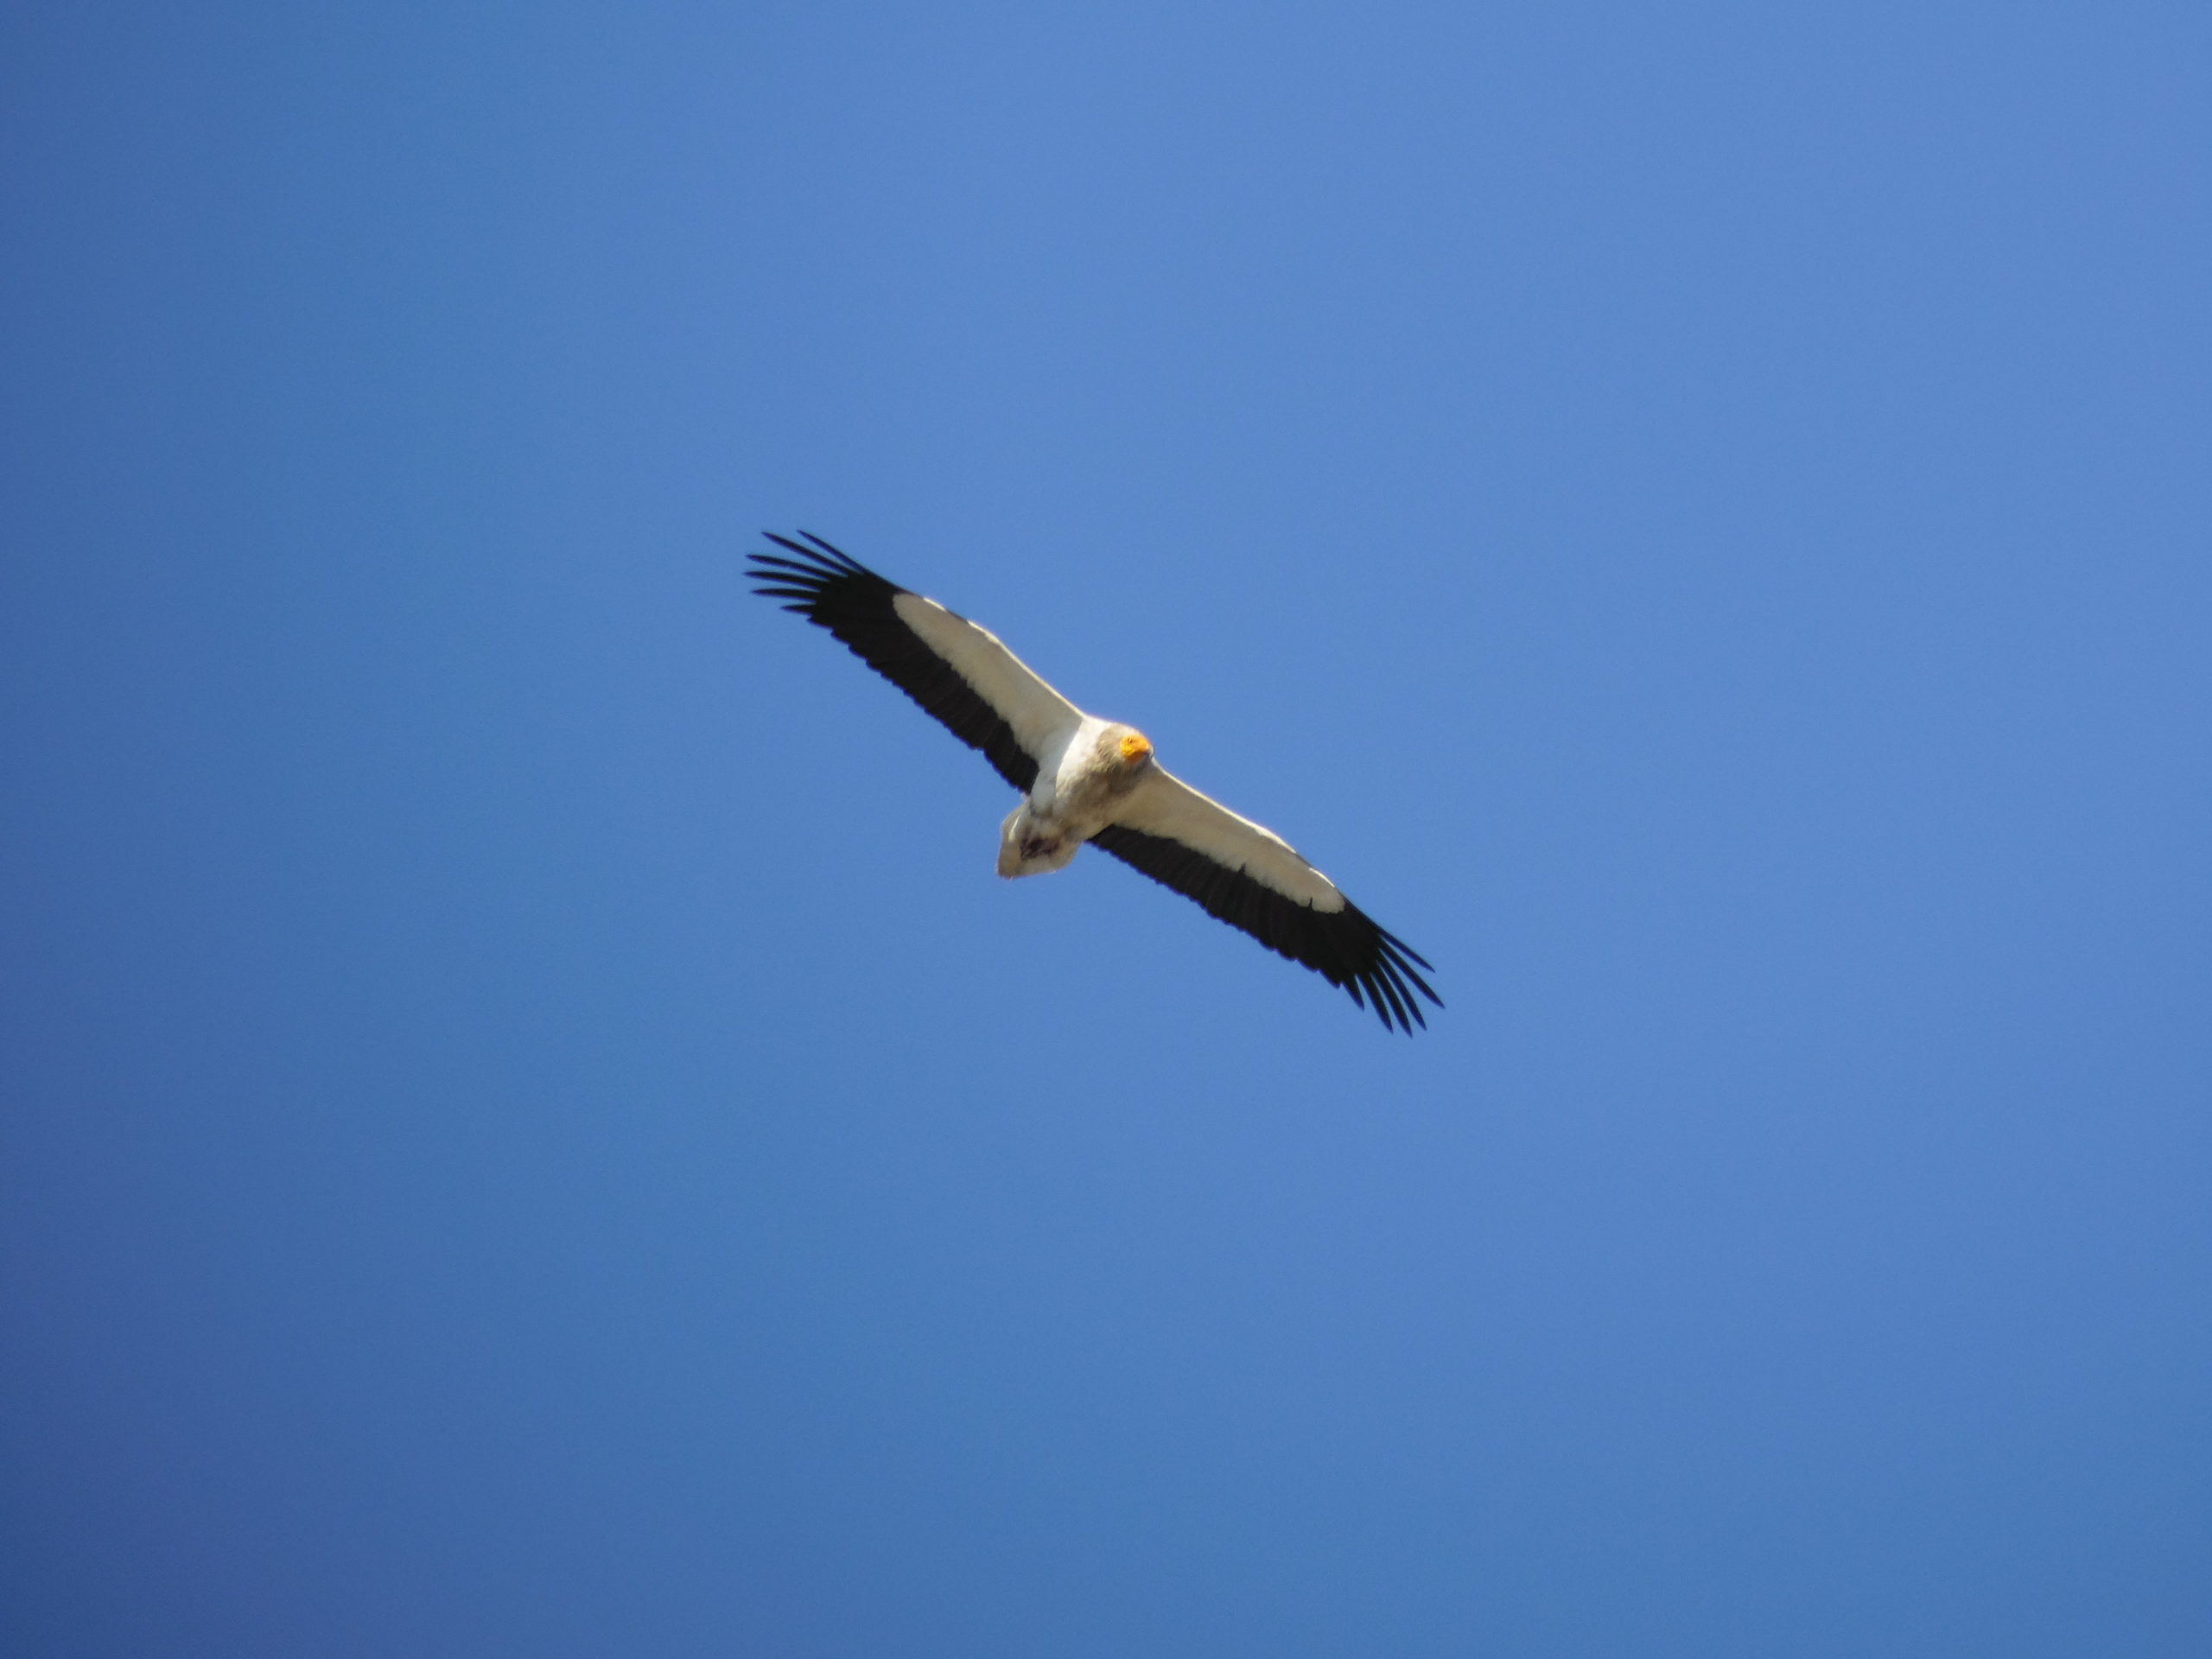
x=1250, y=878
x=984, y=694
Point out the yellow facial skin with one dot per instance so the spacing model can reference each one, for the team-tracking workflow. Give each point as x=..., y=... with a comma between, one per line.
x=1135, y=748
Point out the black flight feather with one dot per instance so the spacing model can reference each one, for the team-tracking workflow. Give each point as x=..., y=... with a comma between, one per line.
x=836, y=591
x=1345, y=947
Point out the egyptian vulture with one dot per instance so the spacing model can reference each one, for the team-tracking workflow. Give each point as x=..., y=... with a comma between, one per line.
x=1084, y=778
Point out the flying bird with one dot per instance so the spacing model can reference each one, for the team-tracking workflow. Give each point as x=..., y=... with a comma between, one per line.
x=1086, y=779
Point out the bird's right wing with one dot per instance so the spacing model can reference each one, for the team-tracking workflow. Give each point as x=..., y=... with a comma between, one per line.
x=985, y=695
x=1250, y=878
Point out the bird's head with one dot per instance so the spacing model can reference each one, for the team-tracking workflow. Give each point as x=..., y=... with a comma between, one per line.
x=1135, y=749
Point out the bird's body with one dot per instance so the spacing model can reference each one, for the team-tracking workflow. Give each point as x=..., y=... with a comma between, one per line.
x=1084, y=778
x=1084, y=774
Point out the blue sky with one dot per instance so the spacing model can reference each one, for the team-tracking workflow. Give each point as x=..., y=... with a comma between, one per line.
x=532, y=1128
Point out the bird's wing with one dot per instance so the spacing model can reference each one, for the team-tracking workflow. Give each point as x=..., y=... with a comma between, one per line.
x=957, y=671
x=1250, y=878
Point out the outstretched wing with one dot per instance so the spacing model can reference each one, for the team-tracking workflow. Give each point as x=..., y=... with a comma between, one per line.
x=1250, y=878
x=957, y=671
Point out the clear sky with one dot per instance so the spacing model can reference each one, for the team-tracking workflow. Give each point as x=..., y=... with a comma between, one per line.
x=531, y=1127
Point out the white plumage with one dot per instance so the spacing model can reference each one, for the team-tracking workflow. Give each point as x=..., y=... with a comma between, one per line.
x=1086, y=779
